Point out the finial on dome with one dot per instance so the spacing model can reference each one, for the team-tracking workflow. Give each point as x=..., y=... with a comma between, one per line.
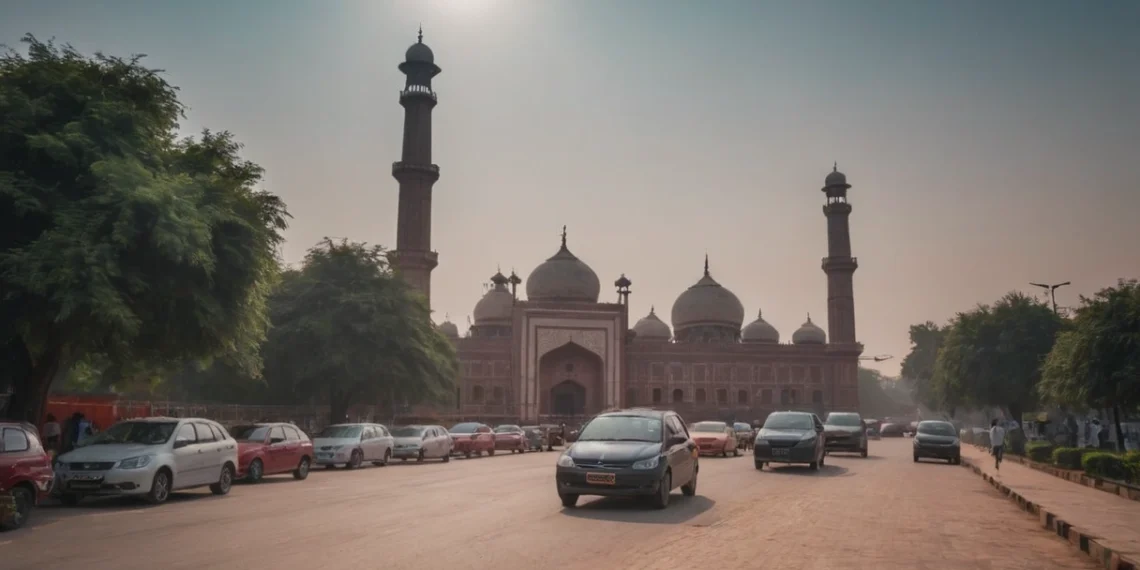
x=759, y=313
x=652, y=308
x=835, y=166
x=563, y=237
x=809, y=317
x=706, y=264
x=447, y=317
x=420, y=37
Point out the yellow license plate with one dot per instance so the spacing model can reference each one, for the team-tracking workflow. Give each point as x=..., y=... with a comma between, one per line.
x=601, y=478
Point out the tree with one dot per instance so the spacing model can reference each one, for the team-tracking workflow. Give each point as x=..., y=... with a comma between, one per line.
x=918, y=366
x=118, y=241
x=992, y=355
x=1097, y=362
x=346, y=330
x=874, y=400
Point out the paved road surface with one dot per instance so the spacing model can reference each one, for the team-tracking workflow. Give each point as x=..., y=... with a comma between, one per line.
x=883, y=512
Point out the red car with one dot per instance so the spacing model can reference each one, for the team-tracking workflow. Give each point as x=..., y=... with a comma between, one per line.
x=511, y=438
x=270, y=449
x=472, y=439
x=25, y=471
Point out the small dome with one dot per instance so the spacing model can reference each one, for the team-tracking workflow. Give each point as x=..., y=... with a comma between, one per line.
x=707, y=303
x=449, y=329
x=420, y=52
x=759, y=331
x=809, y=333
x=652, y=328
x=563, y=278
x=835, y=177
x=497, y=306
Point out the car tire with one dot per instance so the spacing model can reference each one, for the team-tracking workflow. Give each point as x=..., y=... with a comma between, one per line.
x=568, y=501
x=660, y=499
x=302, y=471
x=690, y=489
x=70, y=499
x=759, y=465
x=354, y=460
x=820, y=466
x=387, y=458
x=24, y=500
x=256, y=470
x=160, y=487
x=863, y=453
x=736, y=452
x=225, y=481
x=491, y=452
x=467, y=455
x=447, y=457
x=916, y=459
x=420, y=457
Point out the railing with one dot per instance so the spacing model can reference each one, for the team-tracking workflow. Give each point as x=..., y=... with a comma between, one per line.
x=418, y=91
x=853, y=260
x=430, y=169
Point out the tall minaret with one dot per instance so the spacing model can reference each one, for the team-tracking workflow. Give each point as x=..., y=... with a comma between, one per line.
x=413, y=256
x=839, y=265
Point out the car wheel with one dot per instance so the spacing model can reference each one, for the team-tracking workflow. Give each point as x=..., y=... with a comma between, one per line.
x=447, y=457
x=736, y=452
x=355, y=460
x=255, y=472
x=159, y=488
x=916, y=459
x=387, y=457
x=568, y=501
x=821, y=460
x=863, y=453
x=225, y=481
x=70, y=499
x=491, y=451
x=420, y=457
x=664, y=489
x=467, y=455
x=690, y=489
x=24, y=500
x=759, y=465
x=302, y=470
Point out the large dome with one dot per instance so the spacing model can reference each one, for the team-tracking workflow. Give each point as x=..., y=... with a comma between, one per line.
x=651, y=327
x=563, y=278
x=809, y=333
x=759, y=331
x=497, y=306
x=707, y=303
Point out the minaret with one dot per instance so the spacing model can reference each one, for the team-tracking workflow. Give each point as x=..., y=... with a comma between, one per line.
x=839, y=265
x=413, y=256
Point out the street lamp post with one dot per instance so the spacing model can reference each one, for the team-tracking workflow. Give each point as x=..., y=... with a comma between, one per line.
x=1052, y=289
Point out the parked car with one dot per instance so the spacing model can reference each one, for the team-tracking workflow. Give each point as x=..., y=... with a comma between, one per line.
x=536, y=438
x=422, y=442
x=511, y=438
x=745, y=435
x=149, y=457
x=25, y=471
x=629, y=453
x=845, y=432
x=937, y=440
x=472, y=438
x=715, y=438
x=555, y=435
x=272, y=449
x=891, y=430
x=790, y=437
x=353, y=444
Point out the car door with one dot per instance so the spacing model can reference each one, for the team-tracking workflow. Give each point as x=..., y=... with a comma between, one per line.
x=820, y=443
x=442, y=441
x=186, y=457
x=277, y=451
x=292, y=455
x=368, y=443
x=729, y=438
x=383, y=442
x=209, y=453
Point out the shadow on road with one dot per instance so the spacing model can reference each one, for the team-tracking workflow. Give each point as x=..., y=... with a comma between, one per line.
x=619, y=509
x=844, y=455
x=805, y=471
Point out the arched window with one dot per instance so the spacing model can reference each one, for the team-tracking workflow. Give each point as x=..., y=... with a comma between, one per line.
x=477, y=394
x=817, y=397
x=497, y=395
x=700, y=395
x=721, y=396
x=657, y=395
x=678, y=396
x=742, y=396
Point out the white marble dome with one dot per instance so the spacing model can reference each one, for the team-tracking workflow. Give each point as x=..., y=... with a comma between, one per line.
x=563, y=278
x=707, y=303
x=497, y=306
x=809, y=333
x=759, y=331
x=651, y=327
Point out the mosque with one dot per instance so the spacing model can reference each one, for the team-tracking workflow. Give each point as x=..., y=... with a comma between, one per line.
x=561, y=354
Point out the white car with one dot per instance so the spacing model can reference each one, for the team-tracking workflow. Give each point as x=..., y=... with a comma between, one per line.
x=149, y=457
x=353, y=444
x=422, y=442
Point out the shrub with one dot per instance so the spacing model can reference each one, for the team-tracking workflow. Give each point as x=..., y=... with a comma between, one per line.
x=1132, y=462
x=1040, y=451
x=1015, y=442
x=1069, y=457
x=966, y=435
x=1105, y=465
x=983, y=439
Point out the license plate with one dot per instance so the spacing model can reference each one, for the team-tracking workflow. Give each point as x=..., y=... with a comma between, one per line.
x=86, y=478
x=601, y=478
x=84, y=485
x=324, y=455
x=779, y=452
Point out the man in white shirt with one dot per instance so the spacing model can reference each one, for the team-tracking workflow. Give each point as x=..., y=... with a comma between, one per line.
x=1094, y=434
x=997, y=442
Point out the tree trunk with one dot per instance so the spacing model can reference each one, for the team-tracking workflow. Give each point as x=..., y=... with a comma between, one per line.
x=1119, y=431
x=30, y=390
x=338, y=406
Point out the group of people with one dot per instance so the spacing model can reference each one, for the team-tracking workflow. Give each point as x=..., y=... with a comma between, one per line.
x=63, y=438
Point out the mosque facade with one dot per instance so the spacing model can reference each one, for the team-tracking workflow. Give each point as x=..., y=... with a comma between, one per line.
x=560, y=353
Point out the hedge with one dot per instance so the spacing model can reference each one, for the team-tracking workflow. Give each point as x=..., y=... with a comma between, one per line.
x=1040, y=451
x=1070, y=457
x=1132, y=462
x=1105, y=465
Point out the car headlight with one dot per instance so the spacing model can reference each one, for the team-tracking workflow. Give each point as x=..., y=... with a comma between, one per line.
x=650, y=463
x=135, y=462
x=565, y=461
x=807, y=441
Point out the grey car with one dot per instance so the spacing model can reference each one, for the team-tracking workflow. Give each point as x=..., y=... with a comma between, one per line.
x=937, y=440
x=790, y=437
x=845, y=432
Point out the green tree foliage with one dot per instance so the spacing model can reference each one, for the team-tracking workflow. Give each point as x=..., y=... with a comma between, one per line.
x=1096, y=364
x=347, y=330
x=117, y=238
x=992, y=355
x=918, y=366
x=875, y=401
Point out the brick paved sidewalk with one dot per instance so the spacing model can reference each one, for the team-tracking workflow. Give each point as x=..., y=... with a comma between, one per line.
x=1112, y=519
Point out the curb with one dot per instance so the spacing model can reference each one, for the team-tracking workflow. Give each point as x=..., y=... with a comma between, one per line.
x=1118, y=488
x=1078, y=538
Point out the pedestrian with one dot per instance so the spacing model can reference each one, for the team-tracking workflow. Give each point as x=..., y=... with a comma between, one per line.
x=997, y=442
x=1094, y=434
x=51, y=432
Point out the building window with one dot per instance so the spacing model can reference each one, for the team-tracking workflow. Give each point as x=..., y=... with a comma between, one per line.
x=630, y=397
x=497, y=395
x=477, y=394
x=795, y=396
x=765, y=396
x=700, y=395
x=785, y=396
x=817, y=397
x=678, y=396
x=657, y=395
x=742, y=396
x=721, y=396
x=816, y=374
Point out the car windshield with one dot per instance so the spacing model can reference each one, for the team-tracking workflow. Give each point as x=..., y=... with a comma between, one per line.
x=408, y=431
x=622, y=428
x=936, y=428
x=789, y=421
x=714, y=427
x=507, y=429
x=250, y=433
x=146, y=433
x=341, y=432
x=464, y=428
x=843, y=420
x=741, y=427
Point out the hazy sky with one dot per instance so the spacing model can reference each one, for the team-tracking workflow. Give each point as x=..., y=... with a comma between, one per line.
x=989, y=143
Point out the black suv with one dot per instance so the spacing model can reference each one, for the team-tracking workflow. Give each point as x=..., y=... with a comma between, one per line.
x=629, y=453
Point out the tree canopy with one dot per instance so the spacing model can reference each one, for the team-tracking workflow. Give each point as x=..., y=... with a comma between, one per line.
x=347, y=330
x=918, y=366
x=118, y=239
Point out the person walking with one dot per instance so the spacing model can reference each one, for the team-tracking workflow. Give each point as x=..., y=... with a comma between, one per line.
x=51, y=433
x=997, y=442
x=1094, y=434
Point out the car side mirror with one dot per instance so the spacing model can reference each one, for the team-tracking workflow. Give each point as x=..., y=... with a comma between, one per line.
x=179, y=444
x=819, y=429
x=677, y=440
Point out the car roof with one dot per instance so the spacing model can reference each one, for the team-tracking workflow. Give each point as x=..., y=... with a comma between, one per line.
x=793, y=412
x=636, y=412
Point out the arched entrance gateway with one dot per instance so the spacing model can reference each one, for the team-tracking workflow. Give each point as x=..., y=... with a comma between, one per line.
x=570, y=382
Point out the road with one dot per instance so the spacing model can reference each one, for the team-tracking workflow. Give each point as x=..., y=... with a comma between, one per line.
x=882, y=512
